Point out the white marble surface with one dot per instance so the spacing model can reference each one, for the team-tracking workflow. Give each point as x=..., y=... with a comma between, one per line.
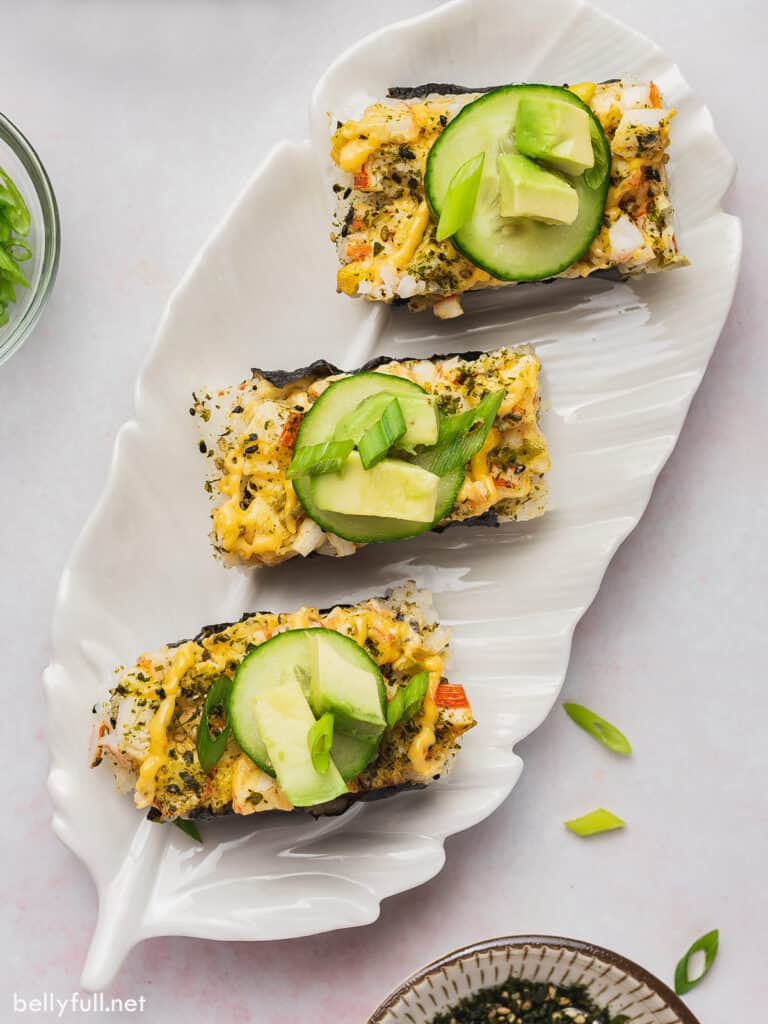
x=150, y=116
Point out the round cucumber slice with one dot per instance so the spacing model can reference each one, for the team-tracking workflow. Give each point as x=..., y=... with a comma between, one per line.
x=285, y=656
x=352, y=755
x=512, y=249
x=289, y=656
x=319, y=424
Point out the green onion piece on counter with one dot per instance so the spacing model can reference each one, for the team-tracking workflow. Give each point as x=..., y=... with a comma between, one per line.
x=461, y=197
x=327, y=457
x=707, y=945
x=461, y=436
x=600, y=728
x=378, y=439
x=595, y=822
x=209, y=747
x=594, y=176
x=320, y=741
x=190, y=828
x=408, y=700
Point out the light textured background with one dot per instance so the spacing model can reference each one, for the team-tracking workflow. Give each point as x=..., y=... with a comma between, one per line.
x=150, y=116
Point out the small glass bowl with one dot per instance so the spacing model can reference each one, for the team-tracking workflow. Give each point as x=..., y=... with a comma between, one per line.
x=615, y=983
x=19, y=160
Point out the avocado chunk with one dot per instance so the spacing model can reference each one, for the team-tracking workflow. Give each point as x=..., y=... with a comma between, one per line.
x=419, y=412
x=528, y=190
x=347, y=686
x=284, y=718
x=554, y=131
x=392, y=489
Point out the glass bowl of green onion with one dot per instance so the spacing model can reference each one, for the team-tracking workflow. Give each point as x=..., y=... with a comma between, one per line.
x=29, y=238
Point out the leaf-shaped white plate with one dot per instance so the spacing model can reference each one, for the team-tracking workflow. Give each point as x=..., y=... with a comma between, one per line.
x=622, y=362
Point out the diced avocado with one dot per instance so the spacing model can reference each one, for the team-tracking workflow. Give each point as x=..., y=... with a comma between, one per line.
x=528, y=190
x=284, y=718
x=346, y=686
x=392, y=489
x=554, y=131
x=419, y=412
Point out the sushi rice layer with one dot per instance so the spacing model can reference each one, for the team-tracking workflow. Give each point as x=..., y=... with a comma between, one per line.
x=384, y=232
x=146, y=728
x=251, y=432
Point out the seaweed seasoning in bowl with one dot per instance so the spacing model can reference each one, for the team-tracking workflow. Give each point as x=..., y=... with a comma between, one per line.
x=29, y=238
x=518, y=1001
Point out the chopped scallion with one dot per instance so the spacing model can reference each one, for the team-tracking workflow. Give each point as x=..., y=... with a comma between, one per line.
x=210, y=748
x=461, y=436
x=320, y=740
x=379, y=438
x=708, y=945
x=190, y=828
x=460, y=199
x=314, y=459
x=408, y=700
x=595, y=822
x=600, y=728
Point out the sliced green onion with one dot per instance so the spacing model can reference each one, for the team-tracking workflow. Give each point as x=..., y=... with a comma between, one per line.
x=354, y=424
x=9, y=267
x=7, y=291
x=18, y=212
x=602, y=730
x=320, y=740
x=595, y=822
x=461, y=436
x=190, y=828
x=594, y=176
x=209, y=747
x=378, y=439
x=708, y=945
x=314, y=459
x=18, y=250
x=4, y=318
x=408, y=700
x=5, y=227
x=460, y=199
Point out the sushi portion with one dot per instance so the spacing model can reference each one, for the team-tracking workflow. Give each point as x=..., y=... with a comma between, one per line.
x=440, y=190
x=309, y=709
x=319, y=460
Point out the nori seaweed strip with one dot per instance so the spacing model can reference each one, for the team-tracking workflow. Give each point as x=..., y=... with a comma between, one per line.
x=321, y=368
x=333, y=808
x=417, y=92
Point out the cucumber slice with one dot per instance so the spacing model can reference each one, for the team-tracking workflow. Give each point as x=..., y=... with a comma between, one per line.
x=373, y=529
x=514, y=249
x=321, y=422
x=347, y=682
x=352, y=755
x=283, y=658
x=356, y=688
x=284, y=718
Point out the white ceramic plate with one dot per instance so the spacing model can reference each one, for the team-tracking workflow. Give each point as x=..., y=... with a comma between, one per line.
x=622, y=362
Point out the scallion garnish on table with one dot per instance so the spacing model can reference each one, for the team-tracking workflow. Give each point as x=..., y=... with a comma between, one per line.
x=594, y=823
x=14, y=227
x=600, y=728
x=707, y=945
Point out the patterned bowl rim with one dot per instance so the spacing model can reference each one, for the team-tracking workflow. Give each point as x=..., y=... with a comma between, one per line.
x=607, y=956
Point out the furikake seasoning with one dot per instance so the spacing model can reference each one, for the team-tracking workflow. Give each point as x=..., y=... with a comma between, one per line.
x=518, y=1001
